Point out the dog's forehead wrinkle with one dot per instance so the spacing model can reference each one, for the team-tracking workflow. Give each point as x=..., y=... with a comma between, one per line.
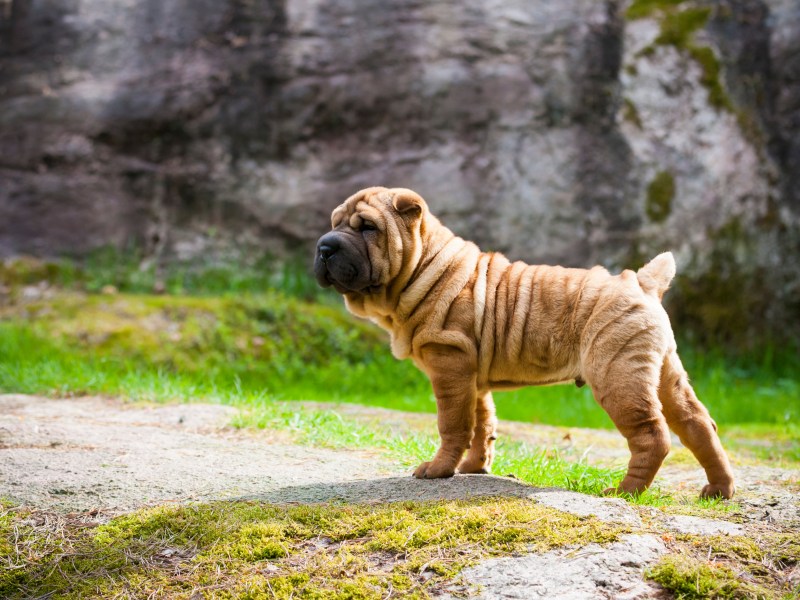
x=372, y=203
x=364, y=211
x=338, y=215
x=360, y=208
x=371, y=214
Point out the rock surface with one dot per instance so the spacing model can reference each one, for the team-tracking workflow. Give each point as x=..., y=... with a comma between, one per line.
x=696, y=525
x=229, y=128
x=592, y=572
x=77, y=455
x=94, y=453
x=614, y=510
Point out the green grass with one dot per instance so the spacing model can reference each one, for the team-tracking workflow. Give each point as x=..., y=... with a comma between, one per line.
x=543, y=467
x=227, y=347
x=165, y=347
x=62, y=374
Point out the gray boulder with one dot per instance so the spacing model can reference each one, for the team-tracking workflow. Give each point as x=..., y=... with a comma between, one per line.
x=575, y=132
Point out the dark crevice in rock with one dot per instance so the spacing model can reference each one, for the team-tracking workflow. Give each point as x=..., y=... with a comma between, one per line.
x=605, y=192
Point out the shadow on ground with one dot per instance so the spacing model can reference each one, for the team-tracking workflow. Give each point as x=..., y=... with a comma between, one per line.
x=396, y=489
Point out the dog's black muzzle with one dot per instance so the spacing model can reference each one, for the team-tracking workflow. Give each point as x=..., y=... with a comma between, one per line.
x=341, y=263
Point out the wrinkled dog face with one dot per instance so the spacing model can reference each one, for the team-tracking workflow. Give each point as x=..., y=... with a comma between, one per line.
x=372, y=233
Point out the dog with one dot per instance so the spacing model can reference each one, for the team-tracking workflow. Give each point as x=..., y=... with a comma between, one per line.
x=475, y=322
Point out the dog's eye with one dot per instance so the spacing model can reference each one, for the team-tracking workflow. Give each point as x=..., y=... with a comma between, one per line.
x=367, y=226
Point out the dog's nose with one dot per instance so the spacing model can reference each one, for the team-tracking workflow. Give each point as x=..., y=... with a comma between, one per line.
x=327, y=246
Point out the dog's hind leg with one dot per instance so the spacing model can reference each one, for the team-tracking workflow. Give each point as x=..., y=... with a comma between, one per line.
x=687, y=417
x=481, y=451
x=627, y=391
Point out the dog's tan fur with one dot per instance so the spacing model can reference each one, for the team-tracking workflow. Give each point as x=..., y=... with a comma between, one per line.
x=475, y=322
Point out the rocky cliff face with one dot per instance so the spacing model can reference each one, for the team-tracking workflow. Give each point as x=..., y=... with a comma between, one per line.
x=574, y=132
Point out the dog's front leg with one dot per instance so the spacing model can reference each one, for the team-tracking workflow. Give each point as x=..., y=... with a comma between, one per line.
x=452, y=374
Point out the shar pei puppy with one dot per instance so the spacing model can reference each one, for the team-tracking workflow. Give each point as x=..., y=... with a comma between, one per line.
x=475, y=322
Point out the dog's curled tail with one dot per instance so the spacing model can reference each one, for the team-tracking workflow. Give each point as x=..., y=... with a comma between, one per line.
x=655, y=276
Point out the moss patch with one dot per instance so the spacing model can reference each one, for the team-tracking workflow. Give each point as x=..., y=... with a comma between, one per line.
x=660, y=194
x=27, y=270
x=710, y=78
x=252, y=550
x=690, y=578
x=730, y=567
x=678, y=26
x=630, y=113
x=639, y=9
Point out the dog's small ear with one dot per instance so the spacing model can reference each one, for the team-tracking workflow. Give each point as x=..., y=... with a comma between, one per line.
x=407, y=202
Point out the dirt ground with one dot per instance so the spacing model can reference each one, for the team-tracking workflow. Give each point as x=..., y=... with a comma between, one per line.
x=90, y=454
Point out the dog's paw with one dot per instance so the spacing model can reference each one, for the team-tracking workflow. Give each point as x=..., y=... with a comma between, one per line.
x=714, y=490
x=477, y=471
x=433, y=470
x=473, y=467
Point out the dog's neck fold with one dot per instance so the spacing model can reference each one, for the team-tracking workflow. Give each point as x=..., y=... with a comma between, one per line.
x=447, y=263
x=433, y=263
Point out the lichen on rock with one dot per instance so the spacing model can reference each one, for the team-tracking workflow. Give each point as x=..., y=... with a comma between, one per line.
x=660, y=194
